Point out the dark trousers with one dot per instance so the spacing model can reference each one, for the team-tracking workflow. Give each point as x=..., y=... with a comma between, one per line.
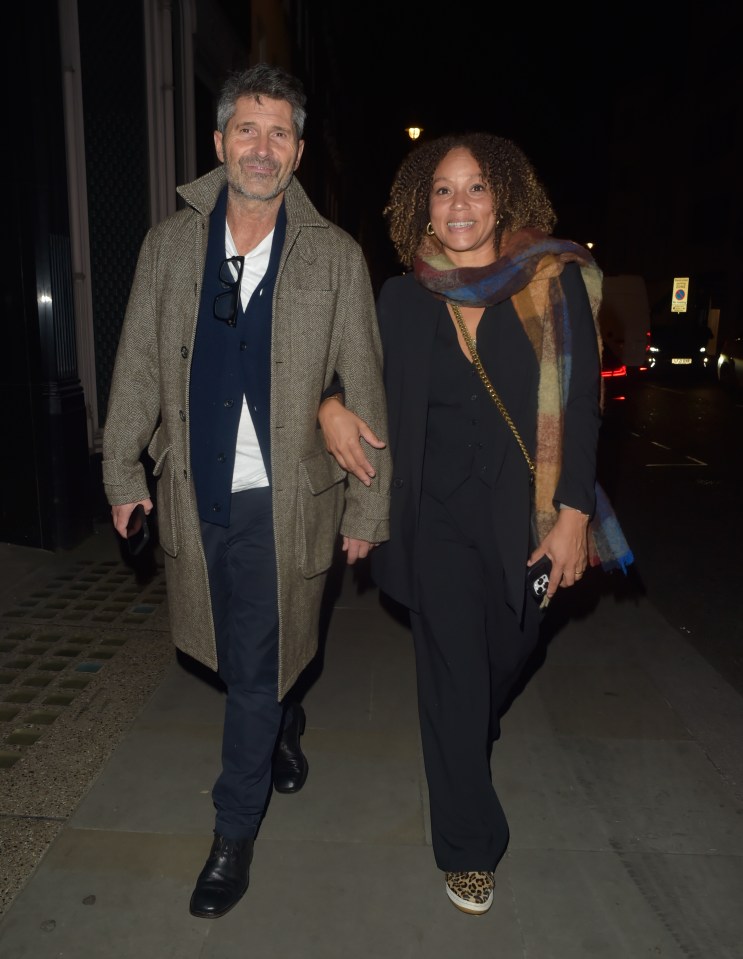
x=242, y=578
x=470, y=648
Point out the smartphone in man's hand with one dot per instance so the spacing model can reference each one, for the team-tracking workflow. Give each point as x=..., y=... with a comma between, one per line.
x=137, y=530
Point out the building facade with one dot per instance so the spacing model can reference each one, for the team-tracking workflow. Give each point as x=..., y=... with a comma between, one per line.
x=112, y=108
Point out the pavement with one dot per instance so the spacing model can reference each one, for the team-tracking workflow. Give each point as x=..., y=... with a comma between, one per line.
x=619, y=768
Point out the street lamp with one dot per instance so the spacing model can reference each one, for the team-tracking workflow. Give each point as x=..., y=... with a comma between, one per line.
x=414, y=132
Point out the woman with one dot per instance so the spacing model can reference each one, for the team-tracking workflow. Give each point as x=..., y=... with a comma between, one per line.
x=471, y=220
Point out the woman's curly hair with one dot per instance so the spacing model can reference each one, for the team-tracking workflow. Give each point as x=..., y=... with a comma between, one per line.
x=519, y=197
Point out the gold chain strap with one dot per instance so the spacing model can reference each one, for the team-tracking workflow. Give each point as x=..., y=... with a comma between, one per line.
x=489, y=386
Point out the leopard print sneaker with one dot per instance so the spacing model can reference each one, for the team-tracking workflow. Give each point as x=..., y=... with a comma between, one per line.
x=472, y=892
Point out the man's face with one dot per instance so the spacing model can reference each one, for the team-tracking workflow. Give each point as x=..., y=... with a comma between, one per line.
x=259, y=148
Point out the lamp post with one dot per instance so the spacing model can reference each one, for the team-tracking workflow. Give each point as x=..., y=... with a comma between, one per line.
x=414, y=132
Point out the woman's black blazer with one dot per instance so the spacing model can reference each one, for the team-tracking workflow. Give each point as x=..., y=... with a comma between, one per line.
x=408, y=315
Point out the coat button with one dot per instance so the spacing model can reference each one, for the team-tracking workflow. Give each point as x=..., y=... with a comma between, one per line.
x=243, y=347
x=220, y=458
x=228, y=404
x=182, y=415
x=398, y=483
x=216, y=507
x=184, y=352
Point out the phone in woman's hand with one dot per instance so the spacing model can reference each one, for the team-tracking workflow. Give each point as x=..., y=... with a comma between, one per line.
x=537, y=579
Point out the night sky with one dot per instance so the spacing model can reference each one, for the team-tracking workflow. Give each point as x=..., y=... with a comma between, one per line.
x=544, y=78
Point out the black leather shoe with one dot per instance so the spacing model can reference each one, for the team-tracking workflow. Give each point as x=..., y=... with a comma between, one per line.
x=290, y=766
x=224, y=879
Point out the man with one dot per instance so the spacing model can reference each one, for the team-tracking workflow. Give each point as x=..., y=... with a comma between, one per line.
x=244, y=307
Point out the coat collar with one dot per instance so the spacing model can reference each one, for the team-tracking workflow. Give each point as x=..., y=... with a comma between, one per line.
x=202, y=194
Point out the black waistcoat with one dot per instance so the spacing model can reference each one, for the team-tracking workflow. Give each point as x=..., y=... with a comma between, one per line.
x=227, y=364
x=466, y=436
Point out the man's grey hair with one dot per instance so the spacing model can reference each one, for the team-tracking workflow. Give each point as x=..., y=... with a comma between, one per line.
x=263, y=80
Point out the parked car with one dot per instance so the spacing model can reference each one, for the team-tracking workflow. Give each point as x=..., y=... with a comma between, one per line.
x=679, y=348
x=730, y=363
x=613, y=377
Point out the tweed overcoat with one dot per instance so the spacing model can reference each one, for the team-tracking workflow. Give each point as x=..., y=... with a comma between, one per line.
x=324, y=321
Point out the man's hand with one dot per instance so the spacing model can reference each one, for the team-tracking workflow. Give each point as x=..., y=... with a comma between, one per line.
x=120, y=514
x=343, y=432
x=356, y=549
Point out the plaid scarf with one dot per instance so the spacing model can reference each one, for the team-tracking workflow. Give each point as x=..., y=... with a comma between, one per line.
x=528, y=273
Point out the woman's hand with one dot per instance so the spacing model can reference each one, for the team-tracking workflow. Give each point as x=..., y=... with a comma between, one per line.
x=343, y=433
x=566, y=544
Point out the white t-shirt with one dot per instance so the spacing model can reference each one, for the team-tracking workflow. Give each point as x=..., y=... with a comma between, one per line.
x=249, y=471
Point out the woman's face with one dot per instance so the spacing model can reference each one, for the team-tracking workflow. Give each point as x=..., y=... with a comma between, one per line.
x=461, y=210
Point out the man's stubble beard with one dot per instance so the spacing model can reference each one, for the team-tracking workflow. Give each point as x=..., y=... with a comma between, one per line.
x=237, y=186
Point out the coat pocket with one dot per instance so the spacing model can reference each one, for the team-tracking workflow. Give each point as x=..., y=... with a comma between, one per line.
x=167, y=509
x=320, y=502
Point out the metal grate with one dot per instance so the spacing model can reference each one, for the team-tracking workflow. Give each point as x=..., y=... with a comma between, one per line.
x=55, y=639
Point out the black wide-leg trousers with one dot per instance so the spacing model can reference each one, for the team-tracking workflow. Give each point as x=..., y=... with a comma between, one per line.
x=241, y=560
x=470, y=649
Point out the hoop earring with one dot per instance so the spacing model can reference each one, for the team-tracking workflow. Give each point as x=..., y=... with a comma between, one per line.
x=430, y=230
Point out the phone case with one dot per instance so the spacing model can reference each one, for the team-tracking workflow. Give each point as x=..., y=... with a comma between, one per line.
x=537, y=579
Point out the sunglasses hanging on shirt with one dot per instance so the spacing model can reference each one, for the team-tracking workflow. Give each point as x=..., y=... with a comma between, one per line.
x=226, y=302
